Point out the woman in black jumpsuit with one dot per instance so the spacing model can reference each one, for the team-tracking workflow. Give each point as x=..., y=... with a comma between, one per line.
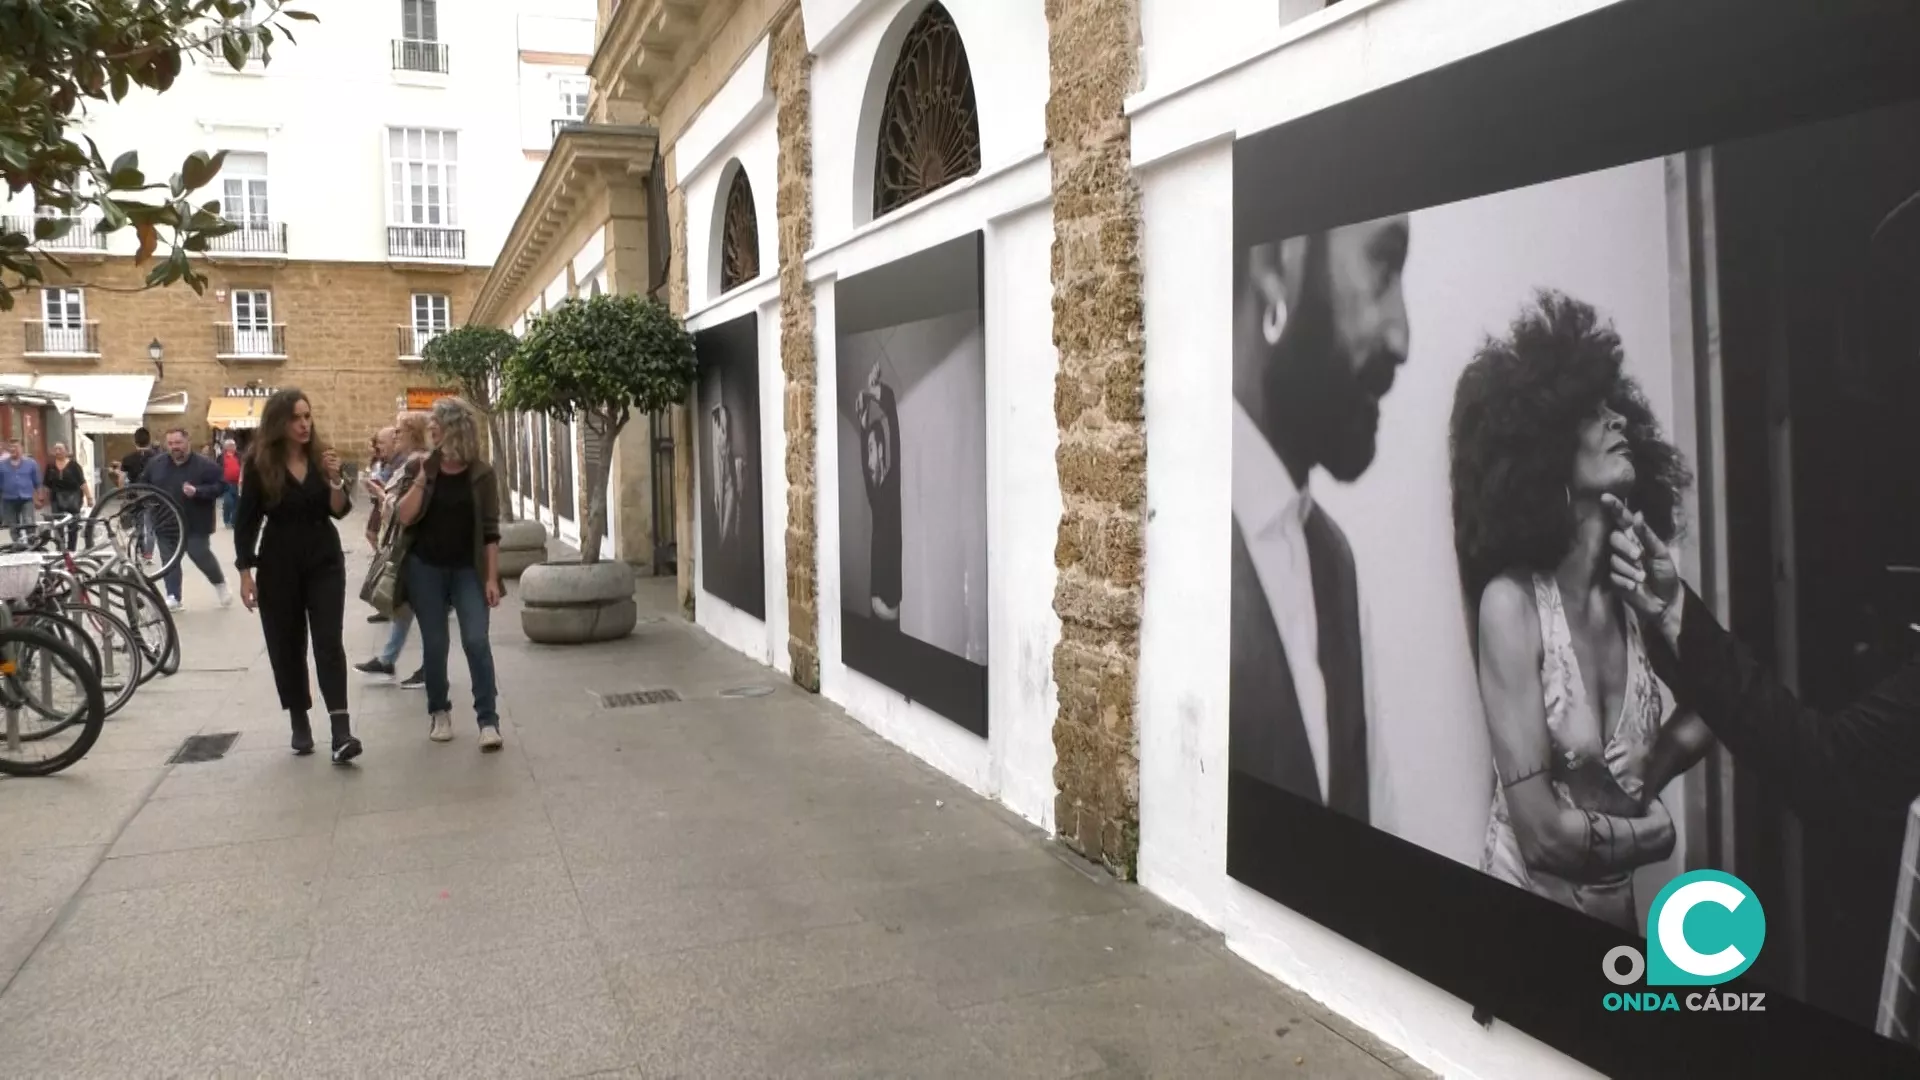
x=292, y=483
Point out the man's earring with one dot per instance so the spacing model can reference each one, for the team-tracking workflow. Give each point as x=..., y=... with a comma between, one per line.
x=1273, y=322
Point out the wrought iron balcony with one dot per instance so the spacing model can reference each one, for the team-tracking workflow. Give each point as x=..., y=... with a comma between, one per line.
x=250, y=341
x=427, y=56
x=413, y=340
x=425, y=242
x=78, y=237
x=252, y=238
x=62, y=338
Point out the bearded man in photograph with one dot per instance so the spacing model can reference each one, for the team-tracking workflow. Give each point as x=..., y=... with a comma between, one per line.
x=878, y=415
x=1319, y=333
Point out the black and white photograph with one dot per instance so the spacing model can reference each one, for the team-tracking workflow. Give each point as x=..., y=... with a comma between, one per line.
x=912, y=437
x=1573, y=541
x=727, y=434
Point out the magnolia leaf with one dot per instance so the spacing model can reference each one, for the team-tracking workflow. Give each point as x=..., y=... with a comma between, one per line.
x=149, y=239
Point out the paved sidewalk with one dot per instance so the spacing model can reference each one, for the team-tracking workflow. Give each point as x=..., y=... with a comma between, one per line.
x=720, y=886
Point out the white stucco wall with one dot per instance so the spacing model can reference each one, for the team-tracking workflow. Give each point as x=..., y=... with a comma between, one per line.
x=1010, y=200
x=1212, y=71
x=320, y=113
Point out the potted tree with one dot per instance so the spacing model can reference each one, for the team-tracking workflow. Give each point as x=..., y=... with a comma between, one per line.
x=600, y=361
x=470, y=358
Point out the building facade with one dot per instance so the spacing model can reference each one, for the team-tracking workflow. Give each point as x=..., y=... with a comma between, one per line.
x=373, y=169
x=1167, y=418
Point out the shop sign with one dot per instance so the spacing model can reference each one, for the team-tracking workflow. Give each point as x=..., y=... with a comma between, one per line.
x=421, y=398
x=249, y=391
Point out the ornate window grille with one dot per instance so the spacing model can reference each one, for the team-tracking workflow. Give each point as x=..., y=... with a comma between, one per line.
x=929, y=124
x=739, y=236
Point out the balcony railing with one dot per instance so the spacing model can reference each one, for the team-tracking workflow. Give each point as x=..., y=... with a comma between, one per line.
x=425, y=242
x=254, y=341
x=253, y=238
x=79, y=237
x=428, y=56
x=413, y=340
x=62, y=339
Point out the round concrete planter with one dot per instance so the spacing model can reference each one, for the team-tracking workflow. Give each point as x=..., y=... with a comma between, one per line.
x=569, y=603
x=522, y=544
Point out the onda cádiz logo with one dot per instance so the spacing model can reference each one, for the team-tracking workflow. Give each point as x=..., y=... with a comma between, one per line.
x=1704, y=928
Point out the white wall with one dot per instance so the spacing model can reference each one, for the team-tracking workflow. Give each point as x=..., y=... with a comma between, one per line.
x=320, y=113
x=1010, y=199
x=1226, y=67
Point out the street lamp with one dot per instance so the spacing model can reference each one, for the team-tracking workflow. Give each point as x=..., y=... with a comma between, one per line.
x=157, y=352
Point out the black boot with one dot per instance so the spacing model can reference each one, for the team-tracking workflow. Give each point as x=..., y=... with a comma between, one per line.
x=345, y=746
x=302, y=734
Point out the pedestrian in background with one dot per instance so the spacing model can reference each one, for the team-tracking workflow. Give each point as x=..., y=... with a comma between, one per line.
x=230, y=474
x=292, y=484
x=19, y=484
x=407, y=452
x=452, y=517
x=67, y=493
x=194, y=484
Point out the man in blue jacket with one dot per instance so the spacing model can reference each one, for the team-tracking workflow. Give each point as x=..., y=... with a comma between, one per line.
x=194, y=484
x=19, y=481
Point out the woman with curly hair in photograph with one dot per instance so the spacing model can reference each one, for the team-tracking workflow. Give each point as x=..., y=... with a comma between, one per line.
x=1546, y=426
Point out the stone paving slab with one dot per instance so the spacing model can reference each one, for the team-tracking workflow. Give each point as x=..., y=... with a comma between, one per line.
x=717, y=887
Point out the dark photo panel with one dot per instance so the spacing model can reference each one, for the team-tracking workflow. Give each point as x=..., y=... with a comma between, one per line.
x=1518, y=312
x=727, y=425
x=912, y=431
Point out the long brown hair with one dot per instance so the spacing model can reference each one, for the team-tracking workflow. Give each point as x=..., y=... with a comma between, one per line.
x=272, y=445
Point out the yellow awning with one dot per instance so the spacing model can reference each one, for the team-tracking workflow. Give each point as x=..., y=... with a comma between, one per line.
x=226, y=413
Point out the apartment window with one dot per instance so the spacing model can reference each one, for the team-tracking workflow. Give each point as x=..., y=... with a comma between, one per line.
x=424, y=166
x=573, y=99
x=63, y=327
x=432, y=316
x=420, y=20
x=243, y=198
x=65, y=309
x=253, y=323
x=418, y=47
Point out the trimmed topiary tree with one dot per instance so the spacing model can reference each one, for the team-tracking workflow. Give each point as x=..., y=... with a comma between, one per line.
x=470, y=359
x=600, y=360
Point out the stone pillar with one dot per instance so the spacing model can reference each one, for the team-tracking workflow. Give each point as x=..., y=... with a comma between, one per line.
x=630, y=473
x=791, y=69
x=681, y=416
x=1099, y=404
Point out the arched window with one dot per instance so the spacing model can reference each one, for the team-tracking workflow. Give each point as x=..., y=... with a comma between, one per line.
x=929, y=126
x=739, y=235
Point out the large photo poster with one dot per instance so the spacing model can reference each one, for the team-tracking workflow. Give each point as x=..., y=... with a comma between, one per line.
x=732, y=544
x=912, y=431
x=1573, y=536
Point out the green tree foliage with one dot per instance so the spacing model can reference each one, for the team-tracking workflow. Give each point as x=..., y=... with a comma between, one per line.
x=58, y=58
x=470, y=358
x=603, y=360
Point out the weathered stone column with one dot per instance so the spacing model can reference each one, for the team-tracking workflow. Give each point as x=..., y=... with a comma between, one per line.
x=631, y=468
x=1099, y=404
x=791, y=69
x=680, y=418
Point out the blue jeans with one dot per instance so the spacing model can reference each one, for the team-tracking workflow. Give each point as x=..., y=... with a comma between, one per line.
x=431, y=592
x=229, y=502
x=397, y=636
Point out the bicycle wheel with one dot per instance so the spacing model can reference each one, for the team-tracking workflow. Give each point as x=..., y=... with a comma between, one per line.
x=139, y=606
x=40, y=674
x=57, y=625
x=144, y=523
x=121, y=656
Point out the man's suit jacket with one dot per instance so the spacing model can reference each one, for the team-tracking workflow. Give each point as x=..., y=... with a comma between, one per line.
x=1268, y=739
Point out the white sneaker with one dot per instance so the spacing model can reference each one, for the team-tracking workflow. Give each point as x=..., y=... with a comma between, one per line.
x=225, y=594
x=174, y=604
x=440, y=727
x=490, y=738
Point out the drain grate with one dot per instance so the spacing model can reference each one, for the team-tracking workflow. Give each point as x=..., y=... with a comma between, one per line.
x=747, y=691
x=631, y=699
x=199, y=748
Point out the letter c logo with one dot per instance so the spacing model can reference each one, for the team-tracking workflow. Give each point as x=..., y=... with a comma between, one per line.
x=1673, y=928
x=1726, y=922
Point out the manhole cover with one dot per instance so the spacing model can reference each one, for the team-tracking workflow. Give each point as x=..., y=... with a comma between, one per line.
x=629, y=699
x=199, y=748
x=747, y=691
